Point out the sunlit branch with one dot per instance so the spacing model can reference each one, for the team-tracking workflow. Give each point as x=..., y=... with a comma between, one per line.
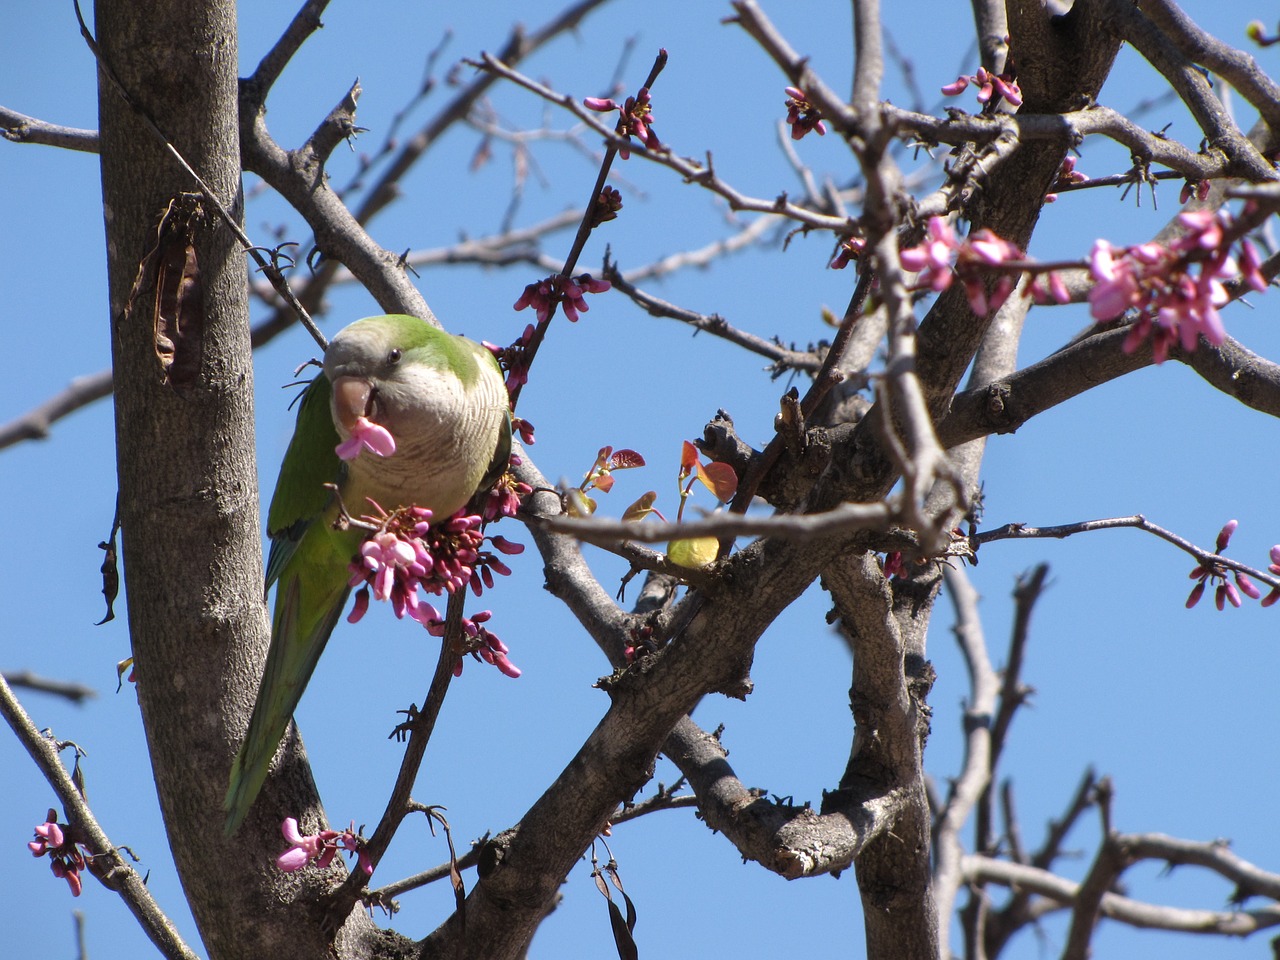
x=975, y=775
x=19, y=128
x=1135, y=913
x=116, y=872
x=1021, y=531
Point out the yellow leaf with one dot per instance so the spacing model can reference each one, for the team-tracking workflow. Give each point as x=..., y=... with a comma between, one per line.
x=693, y=554
x=641, y=508
x=578, y=504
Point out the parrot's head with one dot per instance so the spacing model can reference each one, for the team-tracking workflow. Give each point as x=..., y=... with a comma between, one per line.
x=392, y=370
x=440, y=396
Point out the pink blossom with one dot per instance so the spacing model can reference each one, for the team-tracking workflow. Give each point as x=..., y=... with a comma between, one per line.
x=321, y=847
x=1050, y=288
x=1174, y=304
x=1213, y=571
x=943, y=256
x=635, y=119
x=558, y=289
x=409, y=553
x=541, y=296
x=515, y=358
x=802, y=115
x=1194, y=188
x=486, y=646
x=932, y=259
x=851, y=248
x=66, y=855
x=989, y=86
x=1251, y=267
x=367, y=435
x=1273, y=567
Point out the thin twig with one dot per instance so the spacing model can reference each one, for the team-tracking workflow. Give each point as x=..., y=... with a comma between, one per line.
x=1022, y=531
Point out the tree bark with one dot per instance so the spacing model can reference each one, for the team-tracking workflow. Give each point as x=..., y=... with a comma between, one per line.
x=187, y=476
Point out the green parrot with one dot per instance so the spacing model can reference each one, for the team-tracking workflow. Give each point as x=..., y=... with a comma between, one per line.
x=443, y=401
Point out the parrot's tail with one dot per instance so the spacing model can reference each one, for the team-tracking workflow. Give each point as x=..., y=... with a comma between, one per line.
x=291, y=660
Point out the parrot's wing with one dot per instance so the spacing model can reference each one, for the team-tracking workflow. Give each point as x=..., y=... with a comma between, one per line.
x=310, y=462
x=308, y=565
x=310, y=596
x=501, y=459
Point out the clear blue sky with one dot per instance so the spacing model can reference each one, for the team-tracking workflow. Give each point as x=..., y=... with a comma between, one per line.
x=1175, y=705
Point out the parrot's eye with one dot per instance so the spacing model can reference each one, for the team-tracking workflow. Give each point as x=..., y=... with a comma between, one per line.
x=393, y=356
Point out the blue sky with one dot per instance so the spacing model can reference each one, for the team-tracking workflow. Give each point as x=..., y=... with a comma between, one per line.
x=1174, y=704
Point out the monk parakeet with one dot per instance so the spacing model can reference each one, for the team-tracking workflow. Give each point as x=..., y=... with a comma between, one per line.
x=442, y=400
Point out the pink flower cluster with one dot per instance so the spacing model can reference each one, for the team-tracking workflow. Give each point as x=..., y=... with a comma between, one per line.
x=1175, y=305
x=635, y=119
x=320, y=847
x=944, y=257
x=408, y=552
x=505, y=496
x=484, y=644
x=66, y=856
x=802, y=115
x=989, y=85
x=558, y=289
x=1226, y=592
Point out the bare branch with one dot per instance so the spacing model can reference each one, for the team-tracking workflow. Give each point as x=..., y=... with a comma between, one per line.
x=519, y=46
x=75, y=692
x=1018, y=531
x=1235, y=923
x=846, y=518
x=304, y=23
x=692, y=172
x=792, y=841
x=1137, y=28
x=1235, y=66
x=35, y=424
x=19, y=128
x=978, y=766
x=782, y=358
x=113, y=869
x=1109, y=863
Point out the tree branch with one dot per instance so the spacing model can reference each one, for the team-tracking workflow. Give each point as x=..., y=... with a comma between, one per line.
x=1234, y=923
x=108, y=865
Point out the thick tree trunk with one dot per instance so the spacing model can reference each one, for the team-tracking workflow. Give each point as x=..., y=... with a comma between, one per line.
x=188, y=483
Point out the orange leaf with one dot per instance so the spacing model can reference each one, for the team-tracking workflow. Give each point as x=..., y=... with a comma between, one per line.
x=603, y=483
x=688, y=459
x=720, y=479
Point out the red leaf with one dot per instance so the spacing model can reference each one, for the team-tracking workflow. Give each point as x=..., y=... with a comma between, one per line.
x=625, y=459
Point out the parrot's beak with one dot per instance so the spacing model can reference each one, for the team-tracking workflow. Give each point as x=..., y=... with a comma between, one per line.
x=352, y=399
